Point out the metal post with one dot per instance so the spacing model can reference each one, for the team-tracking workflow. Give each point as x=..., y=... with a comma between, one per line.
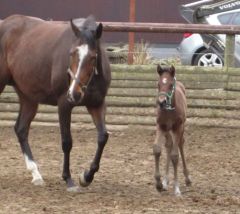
x=131, y=35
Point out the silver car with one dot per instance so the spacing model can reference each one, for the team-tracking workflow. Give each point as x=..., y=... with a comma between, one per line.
x=193, y=52
x=193, y=49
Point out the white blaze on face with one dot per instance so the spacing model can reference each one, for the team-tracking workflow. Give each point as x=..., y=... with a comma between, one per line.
x=164, y=80
x=82, y=53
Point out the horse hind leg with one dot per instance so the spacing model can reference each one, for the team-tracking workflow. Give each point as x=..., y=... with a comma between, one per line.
x=3, y=81
x=26, y=115
x=185, y=170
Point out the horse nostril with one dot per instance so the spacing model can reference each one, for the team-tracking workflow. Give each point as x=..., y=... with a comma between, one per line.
x=77, y=96
x=162, y=103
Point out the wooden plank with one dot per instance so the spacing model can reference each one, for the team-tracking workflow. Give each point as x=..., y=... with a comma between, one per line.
x=180, y=77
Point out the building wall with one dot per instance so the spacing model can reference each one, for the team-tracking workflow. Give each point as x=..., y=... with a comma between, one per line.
x=103, y=10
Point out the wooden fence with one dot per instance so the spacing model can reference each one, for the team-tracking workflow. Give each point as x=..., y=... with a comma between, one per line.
x=212, y=94
x=213, y=98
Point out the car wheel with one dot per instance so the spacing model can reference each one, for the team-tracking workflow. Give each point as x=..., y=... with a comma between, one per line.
x=207, y=58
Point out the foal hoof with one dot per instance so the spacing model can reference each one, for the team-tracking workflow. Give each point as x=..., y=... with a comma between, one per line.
x=38, y=182
x=82, y=180
x=159, y=187
x=188, y=182
x=74, y=189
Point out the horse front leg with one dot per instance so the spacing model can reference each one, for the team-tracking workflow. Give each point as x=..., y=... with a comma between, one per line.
x=64, y=112
x=168, y=146
x=98, y=116
x=185, y=169
x=174, y=155
x=157, y=150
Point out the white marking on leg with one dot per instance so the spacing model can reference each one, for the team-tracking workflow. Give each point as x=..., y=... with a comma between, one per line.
x=82, y=53
x=32, y=166
x=177, y=191
x=165, y=183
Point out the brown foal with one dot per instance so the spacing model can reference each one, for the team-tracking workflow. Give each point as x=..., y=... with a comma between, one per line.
x=171, y=117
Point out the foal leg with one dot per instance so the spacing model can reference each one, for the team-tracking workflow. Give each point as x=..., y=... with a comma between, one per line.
x=98, y=116
x=175, y=156
x=26, y=114
x=157, y=147
x=168, y=146
x=64, y=113
x=185, y=170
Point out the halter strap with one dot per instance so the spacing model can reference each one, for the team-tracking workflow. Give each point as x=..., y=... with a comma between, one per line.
x=169, y=96
x=84, y=87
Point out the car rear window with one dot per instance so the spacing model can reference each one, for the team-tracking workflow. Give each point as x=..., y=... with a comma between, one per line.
x=224, y=19
x=236, y=20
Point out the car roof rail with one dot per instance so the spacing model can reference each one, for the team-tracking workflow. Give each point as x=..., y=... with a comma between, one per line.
x=218, y=7
x=193, y=11
x=187, y=11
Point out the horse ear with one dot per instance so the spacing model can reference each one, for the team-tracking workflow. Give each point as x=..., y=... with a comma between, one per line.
x=159, y=69
x=75, y=29
x=99, y=31
x=172, y=70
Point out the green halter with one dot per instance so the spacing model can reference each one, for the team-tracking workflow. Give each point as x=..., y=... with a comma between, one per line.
x=169, y=96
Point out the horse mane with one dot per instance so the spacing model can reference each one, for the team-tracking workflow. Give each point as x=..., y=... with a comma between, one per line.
x=89, y=24
x=88, y=27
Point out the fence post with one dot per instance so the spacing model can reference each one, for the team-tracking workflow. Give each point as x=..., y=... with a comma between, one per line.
x=229, y=55
x=229, y=51
x=131, y=35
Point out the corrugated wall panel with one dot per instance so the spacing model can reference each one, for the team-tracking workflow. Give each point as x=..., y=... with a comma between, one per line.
x=104, y=10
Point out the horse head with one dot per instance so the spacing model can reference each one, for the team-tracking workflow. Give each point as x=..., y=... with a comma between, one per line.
x=83, y=57
x=166, y=87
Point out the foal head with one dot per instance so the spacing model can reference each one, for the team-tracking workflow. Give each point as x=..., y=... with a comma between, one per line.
x=166, y=87
x=83, y=57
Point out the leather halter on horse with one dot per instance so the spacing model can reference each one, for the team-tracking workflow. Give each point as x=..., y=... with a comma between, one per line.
x=169, y=96
x=83, y=86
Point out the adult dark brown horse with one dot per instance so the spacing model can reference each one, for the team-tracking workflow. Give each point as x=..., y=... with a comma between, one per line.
x=59, y=64
x=171, y=117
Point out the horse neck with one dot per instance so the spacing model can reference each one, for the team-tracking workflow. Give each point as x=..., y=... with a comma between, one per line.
x=103, y=66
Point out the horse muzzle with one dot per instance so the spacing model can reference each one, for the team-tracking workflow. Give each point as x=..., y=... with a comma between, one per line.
x=74, y=97
x=162, y=102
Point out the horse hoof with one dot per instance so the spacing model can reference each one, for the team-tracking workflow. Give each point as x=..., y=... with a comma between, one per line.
x=188, y=182
x=159, y=187
x=74, y=189
x=82, y=180
x=177, y=192
x=165, y=185
x=38, y=182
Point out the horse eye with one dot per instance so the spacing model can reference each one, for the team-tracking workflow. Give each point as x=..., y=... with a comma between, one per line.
x=93, y=60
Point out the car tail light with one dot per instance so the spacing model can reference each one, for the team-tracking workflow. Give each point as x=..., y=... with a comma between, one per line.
x=186, y=35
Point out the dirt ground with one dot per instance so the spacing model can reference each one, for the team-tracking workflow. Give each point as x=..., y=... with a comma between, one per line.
x=125, y=181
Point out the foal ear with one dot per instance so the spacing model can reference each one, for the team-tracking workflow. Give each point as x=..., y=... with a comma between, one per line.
x=75, y=29
x=99, y=31
x=159, y=69
x=172, y=70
